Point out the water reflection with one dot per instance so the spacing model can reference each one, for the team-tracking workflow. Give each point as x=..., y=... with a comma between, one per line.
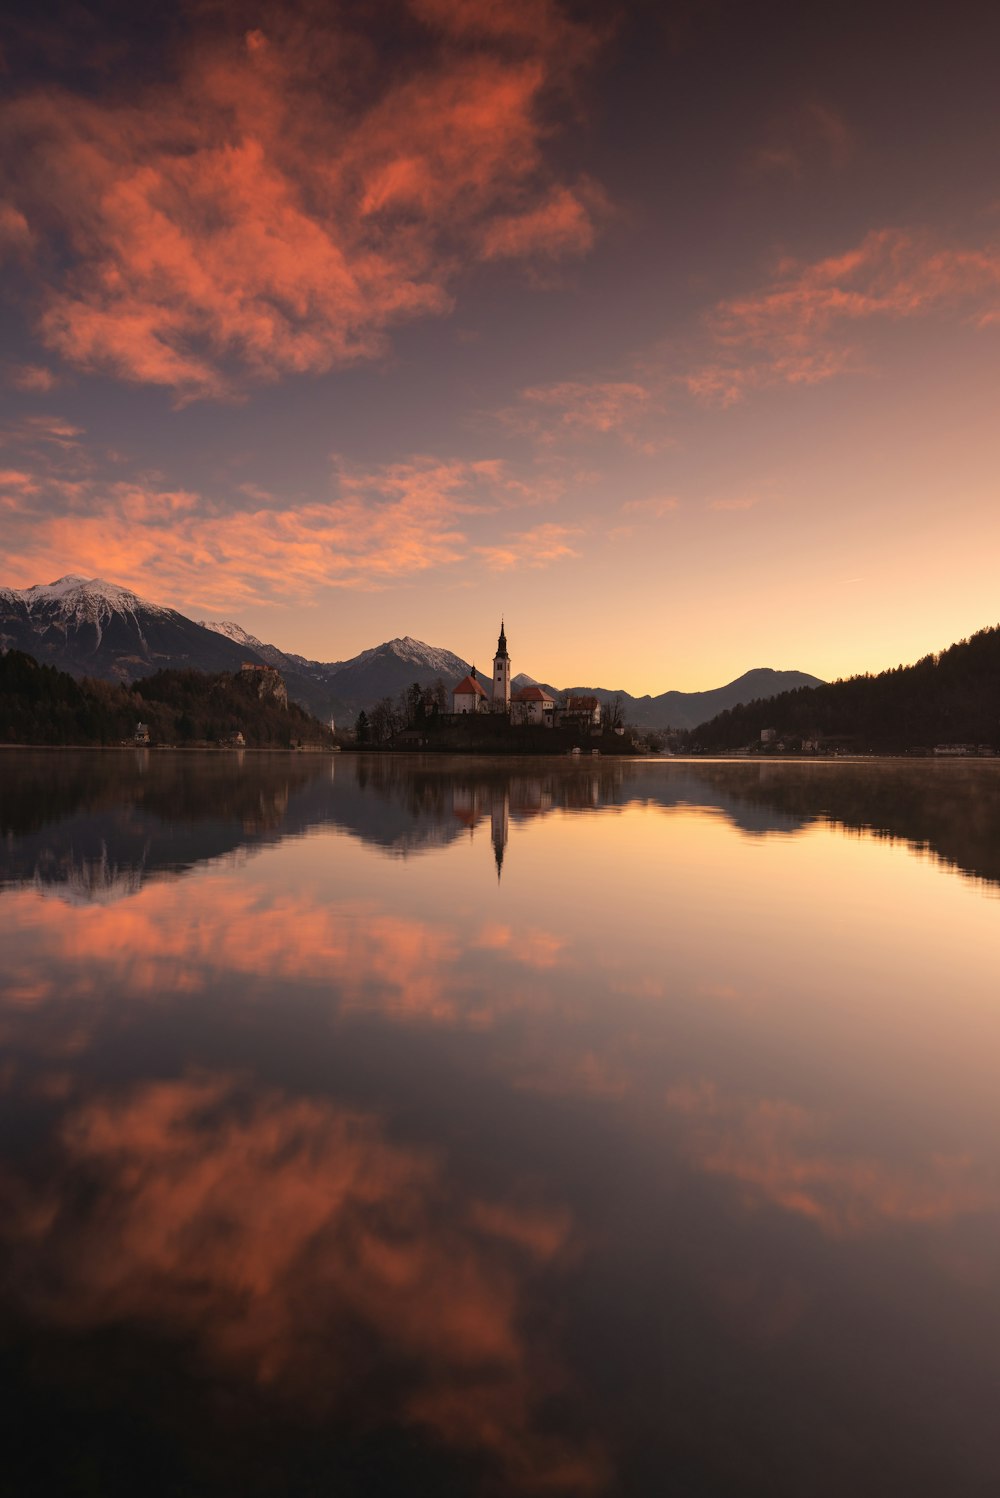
x=98, y=826
x=670, y=1159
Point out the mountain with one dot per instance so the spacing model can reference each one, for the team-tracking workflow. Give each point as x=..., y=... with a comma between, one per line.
x=952, y=698
x=686, y=709
x=248, y=642
x=389, y=669
x=89, y=627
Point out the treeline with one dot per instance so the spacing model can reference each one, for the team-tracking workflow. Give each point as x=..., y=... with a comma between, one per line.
x=414, y=708
x=949, y=698
x=40, y=705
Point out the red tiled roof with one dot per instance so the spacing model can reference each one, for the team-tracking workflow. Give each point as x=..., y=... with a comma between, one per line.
x=581, y=704
x=469, y=684
x=533, y=694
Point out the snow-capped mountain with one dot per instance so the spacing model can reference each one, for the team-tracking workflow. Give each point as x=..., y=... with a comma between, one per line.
x=91, y=627
x=389, y=669
x=280, y=659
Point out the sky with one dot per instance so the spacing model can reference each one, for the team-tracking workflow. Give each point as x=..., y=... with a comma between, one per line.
x=669, y=331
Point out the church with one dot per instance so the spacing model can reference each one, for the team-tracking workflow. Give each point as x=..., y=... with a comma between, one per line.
x=531, y=704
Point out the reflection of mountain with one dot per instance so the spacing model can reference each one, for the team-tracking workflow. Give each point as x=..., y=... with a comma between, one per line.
x=95, y=827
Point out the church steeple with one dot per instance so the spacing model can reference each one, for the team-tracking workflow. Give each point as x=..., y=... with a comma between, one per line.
x=501, y=675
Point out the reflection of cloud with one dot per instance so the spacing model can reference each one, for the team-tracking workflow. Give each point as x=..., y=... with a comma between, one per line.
x=277, y=203
x=529, y=946
x=780, y=1153
x=184, y=938
x=286, y=1236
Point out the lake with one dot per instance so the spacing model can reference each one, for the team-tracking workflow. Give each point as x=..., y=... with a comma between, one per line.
x=376, y=1125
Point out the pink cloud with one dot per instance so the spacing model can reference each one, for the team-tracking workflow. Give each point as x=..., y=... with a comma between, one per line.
x=892, y=273
x=779, y=1152
x=812, y=136
x=564, y=223
x=380, y=525
x=32, y=377
x=807, y=325
x=537, y=547
x=277, y=206
x=655, y=508
x=629, y=409
x=310, y=1223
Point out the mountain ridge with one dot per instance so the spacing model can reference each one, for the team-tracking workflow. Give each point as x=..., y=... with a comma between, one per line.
x=90, y=627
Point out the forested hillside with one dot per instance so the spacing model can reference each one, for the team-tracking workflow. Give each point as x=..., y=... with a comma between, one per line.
x=953, y=697
x=40, y=705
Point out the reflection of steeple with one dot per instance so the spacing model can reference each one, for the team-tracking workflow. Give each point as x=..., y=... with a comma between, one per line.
x=499, y=817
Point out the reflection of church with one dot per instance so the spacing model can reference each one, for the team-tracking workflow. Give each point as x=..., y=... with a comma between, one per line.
x=525, y=796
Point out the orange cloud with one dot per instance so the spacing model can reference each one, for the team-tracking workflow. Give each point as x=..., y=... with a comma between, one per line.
x=532, y=548
x=168, y=937
x=270, y=1229
x=277, y=205
x=32, y=377
x=779, y=1152
x=812, y=136
x=564, y=223
x=383, y=524
x=582, y=407
x=656, y=508
x=807, y=325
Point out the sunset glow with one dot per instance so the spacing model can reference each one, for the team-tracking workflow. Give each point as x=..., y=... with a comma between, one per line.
x=349, y=326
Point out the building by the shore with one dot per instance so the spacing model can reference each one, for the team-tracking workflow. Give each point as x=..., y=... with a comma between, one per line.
x=531, y=704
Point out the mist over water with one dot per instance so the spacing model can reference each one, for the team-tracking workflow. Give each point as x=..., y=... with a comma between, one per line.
x=376, y=1125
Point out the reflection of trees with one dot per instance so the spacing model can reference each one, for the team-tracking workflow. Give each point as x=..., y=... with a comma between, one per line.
x=64, y=815
x=952, y=809
x=97, y=825
x=41, y=787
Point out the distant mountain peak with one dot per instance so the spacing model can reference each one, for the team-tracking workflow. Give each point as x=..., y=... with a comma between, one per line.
x=85, y=596
x=232, y=631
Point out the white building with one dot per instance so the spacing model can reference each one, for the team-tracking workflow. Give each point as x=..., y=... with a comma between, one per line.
x=501, y=674
x=470, y=695
x=534, y=705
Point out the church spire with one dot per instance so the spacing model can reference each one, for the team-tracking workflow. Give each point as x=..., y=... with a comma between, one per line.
x=502, y=642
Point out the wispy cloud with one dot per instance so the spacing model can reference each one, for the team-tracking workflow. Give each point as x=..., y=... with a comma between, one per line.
x=806, y=325
x=278, y=205
x=628, y=409
x=733, y=502
x=537, y=547
x=654, y=508
x=809, y=137
x=35, y=378
x=377, y=527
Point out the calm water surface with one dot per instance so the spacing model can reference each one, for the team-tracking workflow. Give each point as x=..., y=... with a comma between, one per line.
x=372, y=1126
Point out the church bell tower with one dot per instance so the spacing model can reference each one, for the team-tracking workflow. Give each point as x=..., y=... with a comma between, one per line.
x=501, y=675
